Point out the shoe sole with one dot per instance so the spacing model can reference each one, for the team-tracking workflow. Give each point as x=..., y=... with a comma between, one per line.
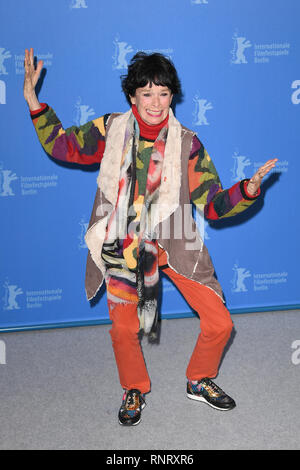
x=203, y=400
x=134, y=424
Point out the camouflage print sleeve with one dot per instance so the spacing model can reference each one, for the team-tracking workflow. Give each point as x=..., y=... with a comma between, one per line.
x=83, y=144
x=206, y=190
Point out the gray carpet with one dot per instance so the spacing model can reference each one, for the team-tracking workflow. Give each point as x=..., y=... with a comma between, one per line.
x=60, y=389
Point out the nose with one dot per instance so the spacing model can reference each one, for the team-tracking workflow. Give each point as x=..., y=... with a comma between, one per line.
x=155, y=101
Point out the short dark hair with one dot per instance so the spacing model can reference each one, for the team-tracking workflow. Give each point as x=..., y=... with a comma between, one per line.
x=150, y=68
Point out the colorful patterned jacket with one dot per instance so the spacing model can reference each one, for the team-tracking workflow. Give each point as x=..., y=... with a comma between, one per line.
x=199, y=183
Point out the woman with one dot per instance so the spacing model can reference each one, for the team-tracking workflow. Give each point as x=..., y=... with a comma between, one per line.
x=151, y=168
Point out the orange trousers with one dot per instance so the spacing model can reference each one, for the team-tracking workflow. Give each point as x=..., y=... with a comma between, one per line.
x=215, y=323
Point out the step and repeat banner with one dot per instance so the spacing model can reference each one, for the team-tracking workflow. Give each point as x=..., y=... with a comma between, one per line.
x=239, y=67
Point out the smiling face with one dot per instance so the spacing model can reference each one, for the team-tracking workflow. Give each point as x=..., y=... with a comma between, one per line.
x=152, y=102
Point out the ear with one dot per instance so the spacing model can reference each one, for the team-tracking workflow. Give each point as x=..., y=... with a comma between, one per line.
x=132, y=99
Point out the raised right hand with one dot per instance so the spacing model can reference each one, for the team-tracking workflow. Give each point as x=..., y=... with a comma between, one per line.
x=31, y=77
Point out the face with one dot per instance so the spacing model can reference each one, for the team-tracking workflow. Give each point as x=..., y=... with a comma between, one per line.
x=153, y=103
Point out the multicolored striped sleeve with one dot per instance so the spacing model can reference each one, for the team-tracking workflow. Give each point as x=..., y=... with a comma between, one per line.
x=83, y=144
x=206, y=189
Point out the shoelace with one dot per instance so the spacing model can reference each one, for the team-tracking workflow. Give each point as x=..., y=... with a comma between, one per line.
x=214, y=387
x=132, y=401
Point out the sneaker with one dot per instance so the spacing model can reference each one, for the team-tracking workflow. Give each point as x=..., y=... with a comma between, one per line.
x=207, y=391
x=131, y=409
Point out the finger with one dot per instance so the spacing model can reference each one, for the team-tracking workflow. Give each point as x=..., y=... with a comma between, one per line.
x=264, y=170
x=271, y=163
x=39, y=66
x=261, y=173
x=26, y=61
x=38, y=70
x=26, y=58
x=271, y=160
x=268, y=165
x=31, y=58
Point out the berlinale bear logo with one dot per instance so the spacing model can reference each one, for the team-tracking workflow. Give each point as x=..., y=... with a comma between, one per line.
x=238, y=281
x=122, y=48
x=6, y=178
x=238, y=51
x=201, y=107
x=11, y=293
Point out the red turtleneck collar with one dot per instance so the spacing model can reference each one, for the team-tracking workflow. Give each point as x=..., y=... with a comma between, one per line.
x=147, y=131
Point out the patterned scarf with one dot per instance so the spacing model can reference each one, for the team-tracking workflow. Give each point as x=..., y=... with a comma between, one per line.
x=130, y=249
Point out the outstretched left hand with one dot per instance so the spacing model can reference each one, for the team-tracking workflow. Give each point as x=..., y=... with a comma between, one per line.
x=255, y=182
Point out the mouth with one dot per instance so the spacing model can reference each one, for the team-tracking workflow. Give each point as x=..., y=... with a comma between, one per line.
x=154, y=113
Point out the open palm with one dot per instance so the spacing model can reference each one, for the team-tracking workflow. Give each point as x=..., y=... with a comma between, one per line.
x=32, y=74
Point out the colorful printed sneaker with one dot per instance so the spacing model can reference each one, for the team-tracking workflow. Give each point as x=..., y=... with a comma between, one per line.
x=207, y=391
x=131, y=408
